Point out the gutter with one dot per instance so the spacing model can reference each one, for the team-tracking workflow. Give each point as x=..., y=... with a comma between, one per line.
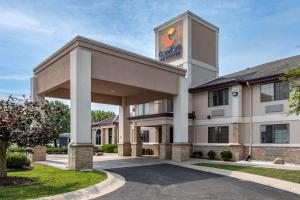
x=251, y=124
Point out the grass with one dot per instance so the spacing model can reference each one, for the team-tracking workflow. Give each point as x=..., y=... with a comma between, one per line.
x=283, y=174
x=49, y=181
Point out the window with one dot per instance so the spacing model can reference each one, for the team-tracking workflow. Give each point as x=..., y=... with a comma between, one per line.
x=98, y=137
x=276, y=133
x=145, y=136
x=110, y=136
x=219, y=134
x=169, y=105
x=274, y=91
x=218, y=97
x=143, y=109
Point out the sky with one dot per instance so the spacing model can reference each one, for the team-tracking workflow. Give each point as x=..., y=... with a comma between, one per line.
x=251, y=32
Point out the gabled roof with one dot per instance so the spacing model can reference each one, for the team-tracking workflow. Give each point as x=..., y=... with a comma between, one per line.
x=107, y=122
x=265, y=72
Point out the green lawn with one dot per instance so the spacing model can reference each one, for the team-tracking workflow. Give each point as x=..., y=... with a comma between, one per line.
x=283, y=174
x=50, y=181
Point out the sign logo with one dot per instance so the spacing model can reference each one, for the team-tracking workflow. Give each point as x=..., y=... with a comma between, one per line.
x=169, y=40
x=171, y=48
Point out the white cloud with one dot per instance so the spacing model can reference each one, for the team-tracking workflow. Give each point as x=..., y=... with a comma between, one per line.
x=13, y=18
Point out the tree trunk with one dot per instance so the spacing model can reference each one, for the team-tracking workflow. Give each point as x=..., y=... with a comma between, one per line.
x=55, y=143
x=3, y=145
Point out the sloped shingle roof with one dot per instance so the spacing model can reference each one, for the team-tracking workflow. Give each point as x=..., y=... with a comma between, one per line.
x=271, y=69
x=107, y=122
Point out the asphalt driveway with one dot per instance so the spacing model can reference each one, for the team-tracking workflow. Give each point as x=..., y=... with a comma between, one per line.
x=165, y=181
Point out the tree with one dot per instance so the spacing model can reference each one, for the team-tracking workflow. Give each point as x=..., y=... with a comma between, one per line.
x=99, y=115
x=293, y=77
x=24, y=123
x=61, y=124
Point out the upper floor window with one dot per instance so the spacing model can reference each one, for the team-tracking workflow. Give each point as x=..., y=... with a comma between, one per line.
x=218, y=134
x=218, y=97
x=169, y=105
x=143, y=109
x=274, y=91
x=275, y=133
x=145, y=136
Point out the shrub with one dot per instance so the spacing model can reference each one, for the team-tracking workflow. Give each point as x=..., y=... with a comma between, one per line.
x=97, y=149
x=109, y=148
x=148, y=151
x=17, y=160
x=116, y=150
x=144, y=151
x=57, y=150
x=226, y=155
x=211, y=155
x=197, y=154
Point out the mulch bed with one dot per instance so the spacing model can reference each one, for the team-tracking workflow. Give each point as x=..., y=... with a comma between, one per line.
x=14, y=181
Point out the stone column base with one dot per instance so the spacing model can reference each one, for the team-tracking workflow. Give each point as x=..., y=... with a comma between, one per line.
x=38, y=154
x=80, y=156
x=165, y=151
x=124, y=149
x=136, y=150
x=181, y=151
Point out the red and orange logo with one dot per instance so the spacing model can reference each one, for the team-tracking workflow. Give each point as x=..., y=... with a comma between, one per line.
x=169, y=40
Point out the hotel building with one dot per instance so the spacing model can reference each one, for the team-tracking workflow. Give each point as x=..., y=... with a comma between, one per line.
x=176, y=103
x=244, y=112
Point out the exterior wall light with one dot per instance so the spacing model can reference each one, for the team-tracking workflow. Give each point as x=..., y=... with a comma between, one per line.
x=235, y=94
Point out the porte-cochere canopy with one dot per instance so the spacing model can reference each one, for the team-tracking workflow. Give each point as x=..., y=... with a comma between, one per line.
x=86, y=71
x=115, y=73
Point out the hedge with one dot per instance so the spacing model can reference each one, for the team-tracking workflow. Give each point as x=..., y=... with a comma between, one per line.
x=57, y=150
x=110, y=148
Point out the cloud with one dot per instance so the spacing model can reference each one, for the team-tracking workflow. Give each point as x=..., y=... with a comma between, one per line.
x=13, y=18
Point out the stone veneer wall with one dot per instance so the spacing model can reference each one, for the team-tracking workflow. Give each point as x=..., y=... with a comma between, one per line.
x=289, y=154
x=39, y=154
x=237, y=150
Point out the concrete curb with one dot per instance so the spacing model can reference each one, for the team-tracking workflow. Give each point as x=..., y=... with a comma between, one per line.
x=112, y=183
x=272, y=182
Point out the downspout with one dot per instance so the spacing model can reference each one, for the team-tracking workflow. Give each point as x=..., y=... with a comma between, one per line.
x=251, y=124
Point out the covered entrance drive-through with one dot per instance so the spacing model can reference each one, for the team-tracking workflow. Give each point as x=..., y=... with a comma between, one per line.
x=86, y=71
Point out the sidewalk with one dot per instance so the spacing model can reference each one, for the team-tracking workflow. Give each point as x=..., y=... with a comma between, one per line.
x=253, y=163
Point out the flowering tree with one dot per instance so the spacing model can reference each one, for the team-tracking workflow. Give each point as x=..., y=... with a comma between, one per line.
x=26, y=124
x=293, y=77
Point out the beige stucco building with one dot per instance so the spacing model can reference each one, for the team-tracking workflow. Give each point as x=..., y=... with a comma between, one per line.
x=175, y=103
x=233, y=112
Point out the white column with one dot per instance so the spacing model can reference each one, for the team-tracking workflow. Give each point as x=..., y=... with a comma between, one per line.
x=180, y=120
x=237, y=98
x=124, y=148
x=80, y=149
x=180, y=146
x=80, y=75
